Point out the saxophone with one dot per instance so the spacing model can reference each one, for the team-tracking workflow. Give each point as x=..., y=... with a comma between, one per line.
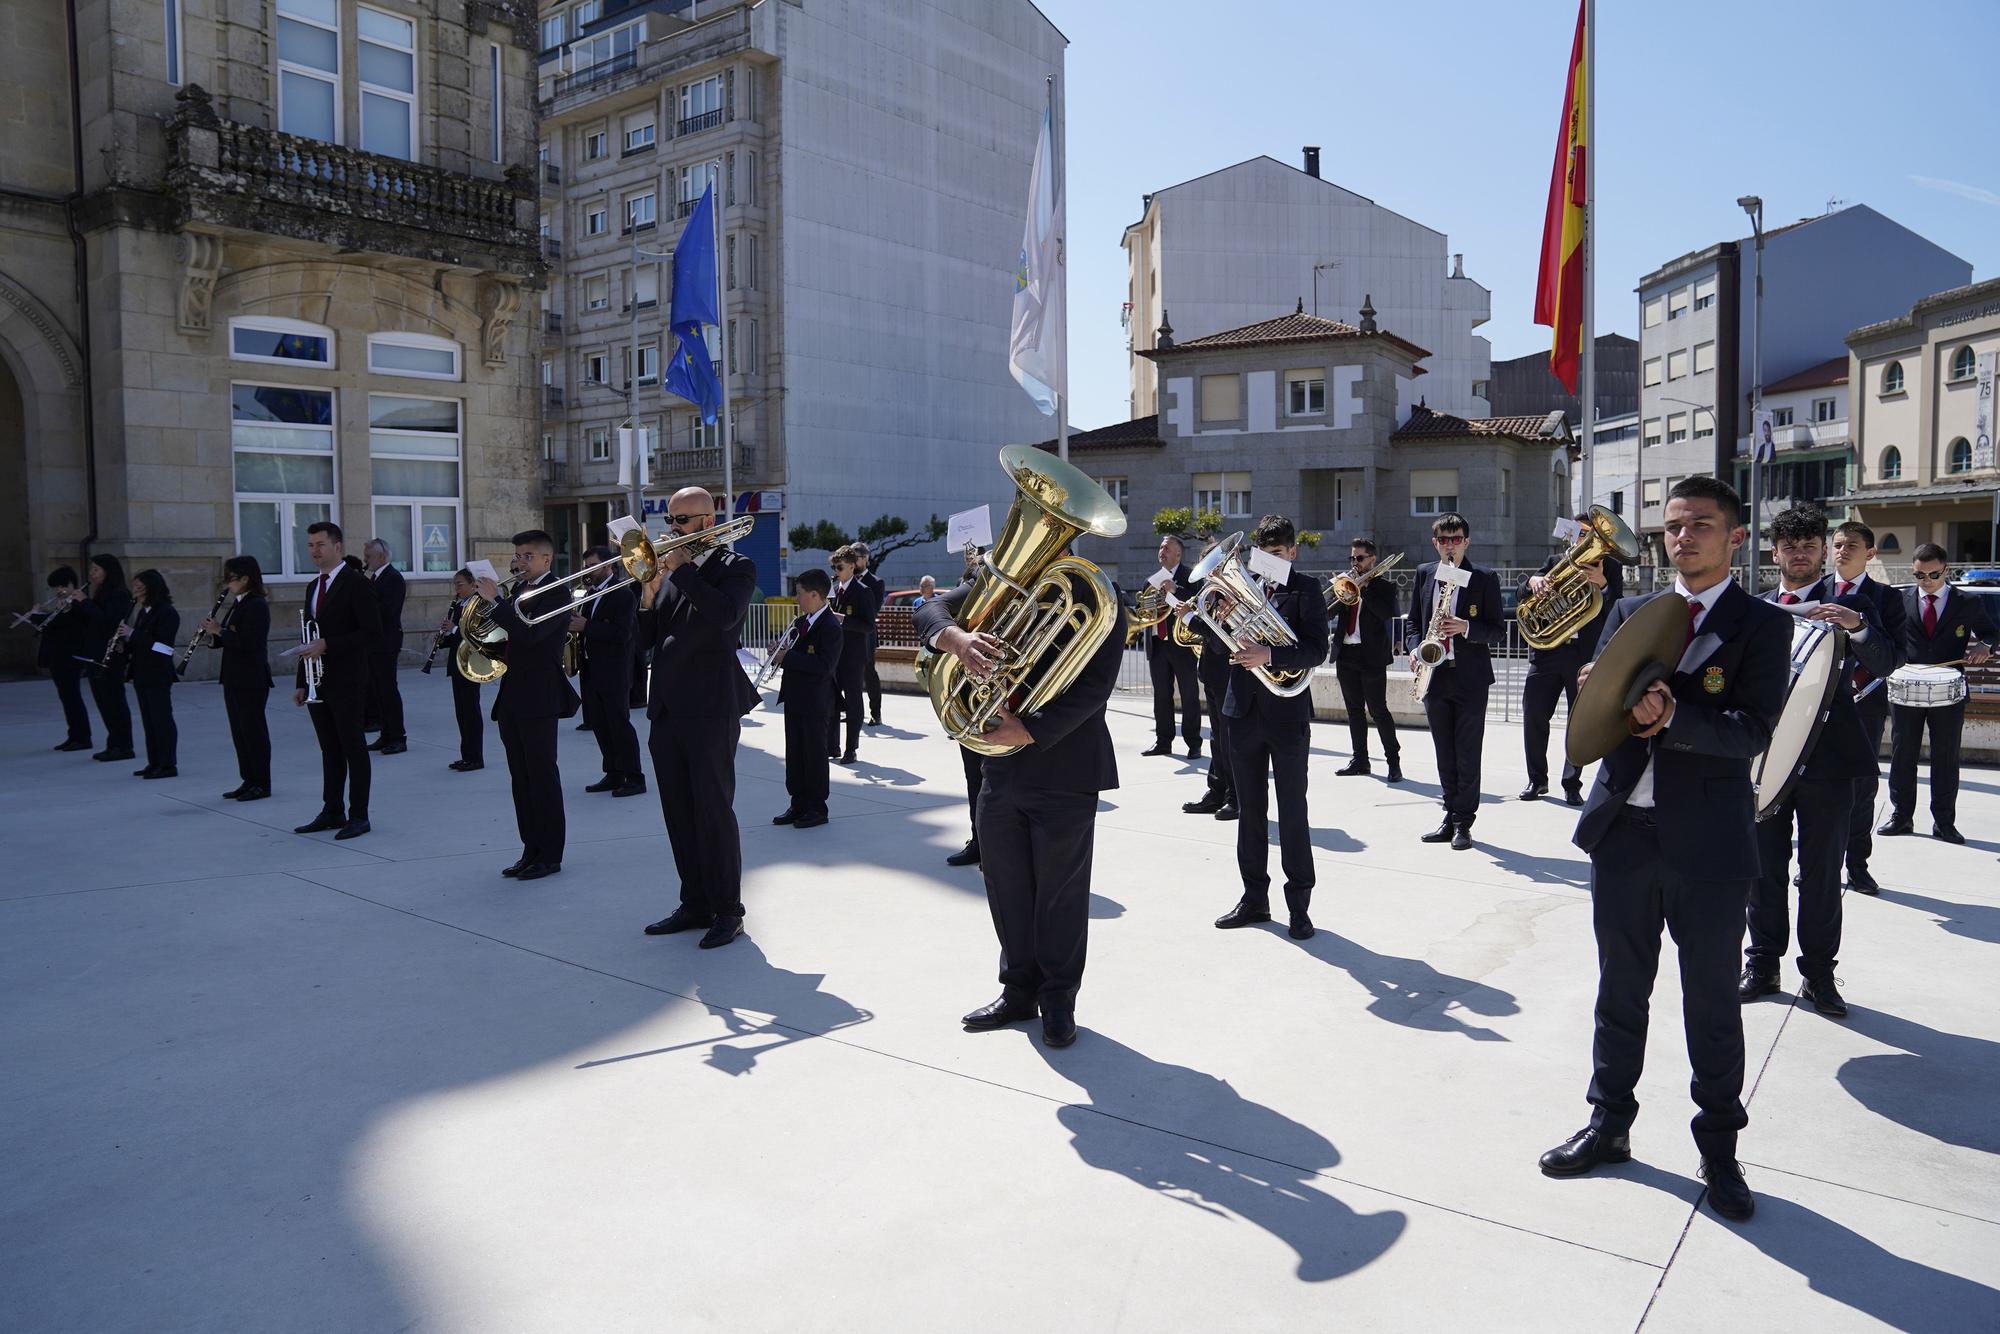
x=1430, y=652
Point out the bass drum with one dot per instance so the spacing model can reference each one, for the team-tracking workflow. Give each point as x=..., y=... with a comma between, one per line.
x=1818, y=650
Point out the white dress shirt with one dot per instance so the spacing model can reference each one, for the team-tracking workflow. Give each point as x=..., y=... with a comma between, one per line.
x=1642, y=791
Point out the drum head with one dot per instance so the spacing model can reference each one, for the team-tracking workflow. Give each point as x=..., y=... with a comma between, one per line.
x=1817, y=652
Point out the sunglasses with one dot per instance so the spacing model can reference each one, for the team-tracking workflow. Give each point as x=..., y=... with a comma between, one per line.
x=1451, y=541
x=678, y=519
x=1928, y=575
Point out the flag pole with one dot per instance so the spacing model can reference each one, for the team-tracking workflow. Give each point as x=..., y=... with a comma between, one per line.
x=1061, y=167
x=722, y=328
x=1589, y=404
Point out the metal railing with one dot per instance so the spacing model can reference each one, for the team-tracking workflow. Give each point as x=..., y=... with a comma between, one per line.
x=597, y=73
x=555, y=472
x=552, y=396
x=552, y=323
x=551, y=248
x=707, y=120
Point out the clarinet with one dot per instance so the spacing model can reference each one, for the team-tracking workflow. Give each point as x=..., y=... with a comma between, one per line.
x=116, y=644
x=195, y=640
x=437, y=641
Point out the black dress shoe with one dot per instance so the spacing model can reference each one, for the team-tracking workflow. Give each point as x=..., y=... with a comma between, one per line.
x=321, y=823
x=393, y=747
x=113, y=756
x=146, y=772
x=635, y=788
x=1243, y=914
x=74, y=745
x=1194, y=752
x=786, y=816
x=1395, y=774
x=1756, y=982
x=539, y=870
x=168, y=771
x=965, y=856
x=812, y=820
x=725, y=930
x=680, y=919
x=254, y=794
x=1896, y=824
x=1825, y=997
x=604, y=784
x=1441, y=834
x=353, y=829
x=1573, y=796
x=1861, y=882
x=1227, y=811
x=527, y=859
x=1533, y=792
x=1357, y=765
x=1584, y=1150
x=1728, y=1194
x=1007, y=1010
x=1947, y=833
x=1208, y=805
x=465, y=766
x=874, y=722
x=1058, y=1028
x=376, y=744
x=849, y=758
x=1158, y=748
x=235, y=792
x=1301, y=927
x=1461, y=834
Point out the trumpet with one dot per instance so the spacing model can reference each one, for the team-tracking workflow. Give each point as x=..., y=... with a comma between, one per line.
x=315, y=667
x=200, y=640
x=640, y=557
x=785, y=641
x=1233, y=605
x=1430, y=650
x=40, y=614
x=1347, y=587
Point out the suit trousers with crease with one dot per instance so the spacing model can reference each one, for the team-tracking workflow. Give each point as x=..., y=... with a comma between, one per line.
x=1259, y=746
x=68, y=677
x=471, y=720
x=530, y=744
x=1035, y=851
x=871, y=679
x=1547, y=682
x=1906, y=745
x=109, y=692
x=1173, y=669
x=156, y=719
x=250, y=731
x=1820, y=808
x=694, y=763
x=848, y=688
x=1214, y=689
x=1874, y=712
x=609, y=718
x=343, y=753
x=1634, y=893
x=1456, y=711
x=807, y=776
x=385, y=700
x=1364, y=691
x=975, y=774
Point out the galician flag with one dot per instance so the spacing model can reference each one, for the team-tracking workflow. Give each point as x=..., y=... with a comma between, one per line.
x=1036, y=350
x=1559, y=291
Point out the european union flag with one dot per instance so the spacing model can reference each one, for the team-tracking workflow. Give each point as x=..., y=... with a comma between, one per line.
x=691, y=374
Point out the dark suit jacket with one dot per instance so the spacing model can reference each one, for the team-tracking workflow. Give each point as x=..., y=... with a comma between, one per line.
x=858, y=602
x=1705, y=803
x=156, y=629
x=1577, y=650
x=390, y=592
x=245, y=641
x=809, y=664
x=1841, y=750
x=1478, y=606
x=1154, y=643
x=1889, y=614
x=1302, y=602
x=102, y=614
x=695, y=628
x=350, y=624
x=534, y=685
x=65, y=637
x=877, y=587
x=1072, y=750
x=1378, y=610
x=607, y=642
x=1961, y=619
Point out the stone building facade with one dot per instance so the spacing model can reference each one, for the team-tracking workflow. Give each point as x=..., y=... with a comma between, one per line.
x=262, y=262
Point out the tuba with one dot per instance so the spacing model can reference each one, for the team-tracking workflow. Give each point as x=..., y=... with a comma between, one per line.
x=1569, y=601
x=1148, y=610
x=1051, y=610
x=1234, y=606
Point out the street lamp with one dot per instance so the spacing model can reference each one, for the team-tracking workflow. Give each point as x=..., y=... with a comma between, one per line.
x=1754, y=206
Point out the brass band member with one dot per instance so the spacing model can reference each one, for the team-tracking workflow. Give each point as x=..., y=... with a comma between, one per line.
x=692, y=614
x=855, y=606
x=1853, y=548
x=108, y=607
x=605, y=631
x=1552, y=674
x=64, y=650
x=1455, y=708
x=244, y=635
x=385, y=699
x=343, y=609
x=1361, y=657
x=1172, y=666
x=1939, y=626
x=149, y=664
x=1671, y=832
x=1212, y=671
x=971, y=762
x=464, y=694
x=1271, y=734
x=871, y=680
x=808, y=661
x=534, y=695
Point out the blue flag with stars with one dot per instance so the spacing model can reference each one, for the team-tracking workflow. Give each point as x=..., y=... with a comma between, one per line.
x=691, y=373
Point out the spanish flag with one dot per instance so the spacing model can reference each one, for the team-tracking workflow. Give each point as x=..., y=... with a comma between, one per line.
x=1559, y=291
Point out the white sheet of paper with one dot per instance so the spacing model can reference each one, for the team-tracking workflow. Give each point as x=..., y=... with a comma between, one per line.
x=1802, y=608
x=293, y=651
x=1455, y=575
x=1567, y=530
x=972, y=527
x=1266, y=566
x=620, y=526
x=482, y=569
x=167, y=649
x=1161, y=578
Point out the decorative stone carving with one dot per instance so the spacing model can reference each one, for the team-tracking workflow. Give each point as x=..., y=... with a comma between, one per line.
x=200, y=258
x=43, y=321
x=498, y=302
x=517, y=17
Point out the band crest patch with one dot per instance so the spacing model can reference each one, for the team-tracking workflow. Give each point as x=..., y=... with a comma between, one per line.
x=1711, y=681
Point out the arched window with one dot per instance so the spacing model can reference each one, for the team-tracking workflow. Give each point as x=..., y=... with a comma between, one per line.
x=1890, y=544
x=1892, y=464
x=1958, y=458
x=1962, y=363
x=1892, y=378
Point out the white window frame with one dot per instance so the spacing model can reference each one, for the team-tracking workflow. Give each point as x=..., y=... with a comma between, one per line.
x=597, y=219
x=409, y=99
x=1677, y=427
x=1704, y=357
x=412, y=543
x=1890, y=466
x=311, y=72
x=1951, y=465
x=1312, y=401
x=1704, y=293
x=1781, y=416
x=559, y=22
x=1825, y=410
x=1650, y=491
x=597, y=303
x=172, y=9
x=497, y=74
x=687, y=100
x=1895, y=386
x=1684, y=296
x=279, y=325
x=1701, y=416
x=649, y=356
x=645, y=271
x=1649, y=433
x=1217, y=490
x=1653, y=313
x=1953, y=375
x=650, y=197
x=603, y=368
x=1118, y=488
x=1652, y=371
x=596, y=144
x=649, y=129
x=584, y=15
x=287, y=499
x=427, y=342
x=1677, y=357
x=597, y=444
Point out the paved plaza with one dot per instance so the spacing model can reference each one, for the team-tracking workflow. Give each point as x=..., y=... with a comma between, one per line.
x=263, y=1082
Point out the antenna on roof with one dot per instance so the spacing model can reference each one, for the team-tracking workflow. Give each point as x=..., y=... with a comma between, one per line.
x=1832, y=204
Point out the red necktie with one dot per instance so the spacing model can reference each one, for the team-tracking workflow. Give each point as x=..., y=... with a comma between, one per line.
x=319, y=593
x=1353, y=619
x=1694, y=614
x=1844, y=586
x=1788, y=599
x=1930, y=615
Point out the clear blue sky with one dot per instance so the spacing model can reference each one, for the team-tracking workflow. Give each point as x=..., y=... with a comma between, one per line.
x=1446, y=112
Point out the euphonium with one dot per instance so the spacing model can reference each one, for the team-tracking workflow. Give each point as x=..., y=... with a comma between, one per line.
x=1568, y=600
x=1346, y=588
x=1234, y=606
x=1050, y=609
x=480, y=641
x=1148, y=610
x=1187, y=636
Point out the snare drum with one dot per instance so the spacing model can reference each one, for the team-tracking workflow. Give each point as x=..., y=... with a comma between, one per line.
x=1919, y=687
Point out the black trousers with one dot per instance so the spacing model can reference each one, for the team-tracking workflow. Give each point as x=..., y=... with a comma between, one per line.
x=849, y=683
x=68, y=677
x=1259, y=746
x=1820, y=807
x=1548, y=680
x=156, y=720
x=343, y=753
x=609, y=719
x=806, y=768
x=1905, y=748
x=530, y=744
x=1173, y=669
x=1214, y=688
x=1035, y=851
x=694, y=762
x=871, y=678
x=975, y=774
x=1874, y=712
x=1634, y=892
x=1456, y=711
x=471, y=720
x=109, y=692
x=1365, y=692
x=385, y=701
x=250, y=732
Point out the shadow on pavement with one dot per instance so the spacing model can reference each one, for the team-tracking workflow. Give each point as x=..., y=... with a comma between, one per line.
x=1974, y=921
x=1945, y=1085
x=1412, y=993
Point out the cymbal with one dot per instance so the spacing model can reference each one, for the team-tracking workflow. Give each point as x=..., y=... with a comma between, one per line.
x=1646, y=649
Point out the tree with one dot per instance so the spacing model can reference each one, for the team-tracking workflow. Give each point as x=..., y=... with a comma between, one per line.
x=890, y=534
x=1186, y=522
x=821, y=536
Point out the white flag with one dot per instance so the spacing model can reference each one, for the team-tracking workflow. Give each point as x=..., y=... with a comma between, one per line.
x=1037, y=350
x=624, y=456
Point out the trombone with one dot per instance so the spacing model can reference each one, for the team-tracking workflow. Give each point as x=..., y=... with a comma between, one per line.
x=640, y=556
x=1347, y=586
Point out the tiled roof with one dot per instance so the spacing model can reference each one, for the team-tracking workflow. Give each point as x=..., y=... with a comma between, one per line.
x=1139, y=433
x=1536, y=428
x=1297, y=327
x=1829, y=372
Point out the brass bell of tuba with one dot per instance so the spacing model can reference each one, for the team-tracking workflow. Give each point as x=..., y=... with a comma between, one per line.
x=482, y=643
x=1233, y=604
x=1568, y=600
x=1051, y=610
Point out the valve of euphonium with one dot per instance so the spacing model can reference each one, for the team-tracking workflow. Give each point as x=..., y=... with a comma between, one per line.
x=1568, y=600
x=1232, y=603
